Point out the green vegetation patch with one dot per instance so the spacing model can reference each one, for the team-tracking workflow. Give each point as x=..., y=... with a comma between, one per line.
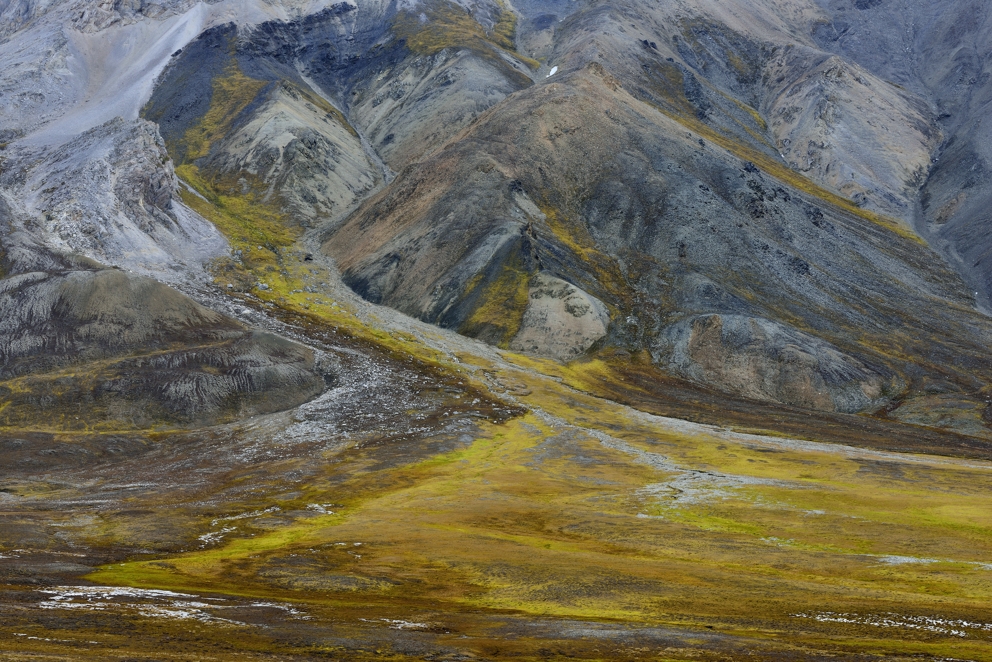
x=438, y=25
x=231, y=94
x=504, y=301
x=548, y=520
x=505, y=30
x=246, y=219
x=239, y=204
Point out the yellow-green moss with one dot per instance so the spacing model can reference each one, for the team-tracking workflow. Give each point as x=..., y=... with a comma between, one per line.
x=574, y=236
x=503, y=304
x=437, y=527
x=448, y=25
x=738, y=64
x=503, y=525
x=505, y=31
x=755, y=115
x=231, y=94
x=246, y=220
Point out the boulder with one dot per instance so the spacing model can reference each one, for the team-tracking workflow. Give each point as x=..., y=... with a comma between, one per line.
x=561, y=321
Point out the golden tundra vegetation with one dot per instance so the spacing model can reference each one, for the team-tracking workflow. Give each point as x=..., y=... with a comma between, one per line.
x=447, y=25
x=575, y=510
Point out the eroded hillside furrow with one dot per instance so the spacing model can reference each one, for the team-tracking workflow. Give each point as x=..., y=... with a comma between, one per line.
x=387, y=174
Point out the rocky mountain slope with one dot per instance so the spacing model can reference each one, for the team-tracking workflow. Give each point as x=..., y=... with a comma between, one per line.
x=743, y=205
x=747, y=191
x=89, y=348
x=938, y=52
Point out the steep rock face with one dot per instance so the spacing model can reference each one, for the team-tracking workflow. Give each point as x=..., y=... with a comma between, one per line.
x=311, y=114
x=538, y=23
x=765, y=360
x=75, y=68
x=80, y=70
x=407, y=77
x=421, y=103
x=296, y=147
x=98, y=16
x=109, y=194
x=101, y=349
x=843, y=127
x=750, y=70
x=15, y=15
x=480, y=229
x=36, y=85
x=940, y=51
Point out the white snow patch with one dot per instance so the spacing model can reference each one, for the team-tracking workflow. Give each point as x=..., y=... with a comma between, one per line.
x=553, y=71
x=108, y=598
x=398, y=624
x=60, y=641
x=893, y=559
x=254, y=513
x=151, y=603
x=954, y=627
x=215, y=536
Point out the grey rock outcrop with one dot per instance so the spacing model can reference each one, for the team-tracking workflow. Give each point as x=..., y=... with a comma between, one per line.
x=765, y=360
x=99, y=348
x=560, y=321
x=844, y=127
x=299, y=151
x=109, y=194
x=941, y=52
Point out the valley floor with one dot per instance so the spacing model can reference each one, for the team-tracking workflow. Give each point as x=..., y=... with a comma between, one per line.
x=446, y=501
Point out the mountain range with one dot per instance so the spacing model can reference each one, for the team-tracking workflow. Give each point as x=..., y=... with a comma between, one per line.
x=263, y=257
